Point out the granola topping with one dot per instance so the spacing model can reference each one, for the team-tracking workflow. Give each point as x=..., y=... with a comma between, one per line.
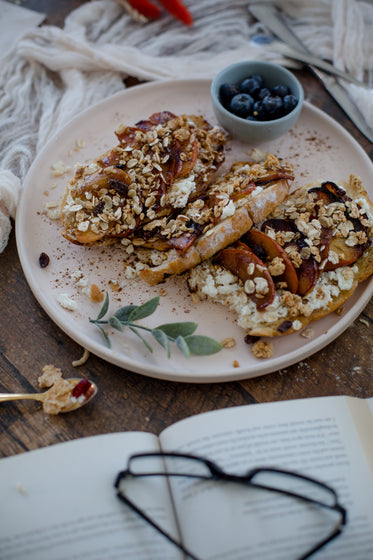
x=158, y=167
x=154, y=188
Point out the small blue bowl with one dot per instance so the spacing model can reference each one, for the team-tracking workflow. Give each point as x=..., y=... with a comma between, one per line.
x=256, y=132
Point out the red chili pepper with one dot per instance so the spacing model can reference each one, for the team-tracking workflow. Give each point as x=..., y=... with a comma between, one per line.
x=178, y=10
x=146, y=8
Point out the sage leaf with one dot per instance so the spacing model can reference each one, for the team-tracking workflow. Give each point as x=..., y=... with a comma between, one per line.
x=183, y=346
x=162, y=338
x=201, y=345
x=124, y=312
x=116, y=324
x=180, y=333
x=144, y=310
x=106, y=338
x=142, y=338
x=173, y=330
x=104, y=308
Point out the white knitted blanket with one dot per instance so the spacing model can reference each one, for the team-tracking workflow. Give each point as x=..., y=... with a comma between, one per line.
x=52, y=74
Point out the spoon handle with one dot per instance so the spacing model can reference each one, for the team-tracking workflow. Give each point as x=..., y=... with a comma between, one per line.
x=4, y=397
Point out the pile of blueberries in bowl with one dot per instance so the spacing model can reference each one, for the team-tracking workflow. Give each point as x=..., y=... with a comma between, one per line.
x=256, y=101
x=253, y=100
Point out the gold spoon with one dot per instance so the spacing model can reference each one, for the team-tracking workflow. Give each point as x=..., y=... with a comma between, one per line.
x=82, y=391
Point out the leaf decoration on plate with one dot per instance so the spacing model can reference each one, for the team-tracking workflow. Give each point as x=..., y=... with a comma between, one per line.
x=180, y=333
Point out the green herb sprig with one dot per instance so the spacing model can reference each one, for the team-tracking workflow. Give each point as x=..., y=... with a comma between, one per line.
x=179, y=333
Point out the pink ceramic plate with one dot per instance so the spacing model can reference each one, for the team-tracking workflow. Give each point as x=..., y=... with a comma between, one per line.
x=318, y=147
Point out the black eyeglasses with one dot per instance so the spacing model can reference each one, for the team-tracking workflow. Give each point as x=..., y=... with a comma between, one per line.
x=283, y=482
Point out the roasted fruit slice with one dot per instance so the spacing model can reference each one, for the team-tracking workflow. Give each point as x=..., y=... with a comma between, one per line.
x=242, y=262
x=328, y=192
x=129, y=135
x=278, y=225
x=268, y=249
x=307, y=271
x=346, y=254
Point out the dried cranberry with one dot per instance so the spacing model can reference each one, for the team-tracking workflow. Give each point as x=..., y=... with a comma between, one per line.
x=250, y=339
x=285, y=326
x=82, y=388
x=120, y=187
x=98, y=208
x=43, y=260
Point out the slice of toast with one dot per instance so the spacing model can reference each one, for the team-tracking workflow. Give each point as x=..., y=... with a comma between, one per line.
x=156, y=167
x=326, y=232
x=154, y=190
x=225, y=212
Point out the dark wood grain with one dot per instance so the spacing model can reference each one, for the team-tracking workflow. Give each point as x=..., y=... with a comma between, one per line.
x=129, y=401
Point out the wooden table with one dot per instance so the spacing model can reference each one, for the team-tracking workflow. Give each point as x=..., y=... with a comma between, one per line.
x=129, y=401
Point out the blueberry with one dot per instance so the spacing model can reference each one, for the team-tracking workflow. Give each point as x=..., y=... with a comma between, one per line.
x=289, y=102
x=241, y=104
x=226, y=92
x=258, y=78
x=250, y=86
x=258, y=111
x=281, y=90
x=272, y=106
x=251, y=118
x=263, y=92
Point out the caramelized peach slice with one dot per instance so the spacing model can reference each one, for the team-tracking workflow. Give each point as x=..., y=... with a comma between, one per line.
x=111, y=157
x=94, y=182
x=156, y=118
x=334, y=189
x=190, y=162
x=128, y=135
x=242, y=262
x=326, y=236
x=183, y=164
x=244, y=191
x=274, y=176
x=321, y=195
x=262, y=244
x=308, y=274
x=308, y=271
x=180, y=243
x=279, y=224
x=347, y=255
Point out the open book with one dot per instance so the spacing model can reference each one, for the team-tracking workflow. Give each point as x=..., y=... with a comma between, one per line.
x=59, y=502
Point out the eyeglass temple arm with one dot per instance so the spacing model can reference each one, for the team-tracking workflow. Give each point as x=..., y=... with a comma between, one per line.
x=148, y=519
x=322, y=543
x=337, y=507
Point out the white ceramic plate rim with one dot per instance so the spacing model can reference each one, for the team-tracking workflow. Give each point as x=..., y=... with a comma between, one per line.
x=190, y=373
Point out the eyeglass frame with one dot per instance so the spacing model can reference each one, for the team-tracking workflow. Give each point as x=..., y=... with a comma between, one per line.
x=217, y=473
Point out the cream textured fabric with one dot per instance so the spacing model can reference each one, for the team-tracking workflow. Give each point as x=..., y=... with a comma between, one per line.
x=52, y=74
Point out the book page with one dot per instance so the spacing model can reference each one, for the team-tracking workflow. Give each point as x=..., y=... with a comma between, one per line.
x=316, y=437
x=59, y=503
x=370, y=404
x=363, y=418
